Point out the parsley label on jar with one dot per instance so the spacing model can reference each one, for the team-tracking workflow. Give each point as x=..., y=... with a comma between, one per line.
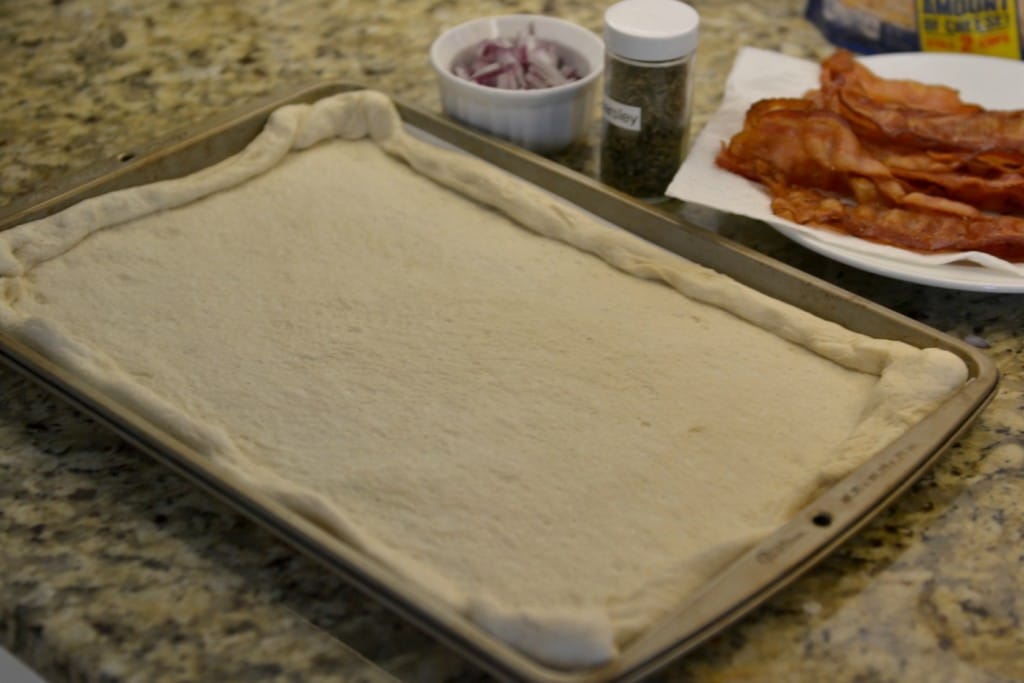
x=622, y=115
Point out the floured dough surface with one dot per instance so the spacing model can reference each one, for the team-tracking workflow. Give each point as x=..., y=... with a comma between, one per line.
x=560, y=449
x=494, y=402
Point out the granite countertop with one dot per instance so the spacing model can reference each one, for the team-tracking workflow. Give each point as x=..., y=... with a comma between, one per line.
x=115, y=569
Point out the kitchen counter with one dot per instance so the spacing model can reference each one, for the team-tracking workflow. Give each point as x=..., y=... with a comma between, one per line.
x=115, y=569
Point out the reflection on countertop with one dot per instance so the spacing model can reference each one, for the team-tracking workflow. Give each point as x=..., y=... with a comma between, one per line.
x=116, y=569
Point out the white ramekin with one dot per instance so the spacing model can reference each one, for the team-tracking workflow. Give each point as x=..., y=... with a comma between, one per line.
x=544, y=120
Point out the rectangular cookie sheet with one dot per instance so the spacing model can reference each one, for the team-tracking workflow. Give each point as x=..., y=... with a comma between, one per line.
x=491, y=631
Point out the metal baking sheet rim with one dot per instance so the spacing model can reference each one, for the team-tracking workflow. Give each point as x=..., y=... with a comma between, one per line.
x=772, y=564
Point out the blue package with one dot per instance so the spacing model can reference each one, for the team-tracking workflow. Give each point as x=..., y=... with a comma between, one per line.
x=989, y=27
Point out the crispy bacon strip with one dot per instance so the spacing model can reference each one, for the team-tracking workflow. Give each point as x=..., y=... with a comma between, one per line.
x=842, y=72
x=1003, y=194
x=906, y=112
x=981, y=163
x=985, y=164
x=988, y=182
x=982, y=131
x=999, y=235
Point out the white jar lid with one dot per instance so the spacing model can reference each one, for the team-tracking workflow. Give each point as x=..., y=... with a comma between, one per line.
x=651, y=30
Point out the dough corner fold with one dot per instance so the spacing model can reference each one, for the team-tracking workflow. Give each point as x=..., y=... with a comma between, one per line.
x=527, y=412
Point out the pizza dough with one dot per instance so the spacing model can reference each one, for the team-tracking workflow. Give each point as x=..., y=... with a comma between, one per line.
x=556, y=428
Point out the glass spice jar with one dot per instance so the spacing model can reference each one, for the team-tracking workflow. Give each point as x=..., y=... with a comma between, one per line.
x=649, y=56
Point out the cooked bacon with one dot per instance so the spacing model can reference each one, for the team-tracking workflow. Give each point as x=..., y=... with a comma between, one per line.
x=985, y=164
x=906, y=112
x=895, y=161
x=784, y=143
x=988, y=182
x=842, y=72
x=1004, y=194
x=999, y=235
x=980, y=131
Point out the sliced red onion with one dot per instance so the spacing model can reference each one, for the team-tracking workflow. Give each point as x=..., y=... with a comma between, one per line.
x=524, y=62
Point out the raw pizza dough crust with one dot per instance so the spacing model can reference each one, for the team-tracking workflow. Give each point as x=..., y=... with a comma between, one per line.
x=554, y=427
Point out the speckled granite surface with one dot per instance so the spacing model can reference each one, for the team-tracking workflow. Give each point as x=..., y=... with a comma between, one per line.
x=114, y=569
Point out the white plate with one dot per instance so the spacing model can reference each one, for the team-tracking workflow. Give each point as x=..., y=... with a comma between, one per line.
x=956, y=275
x=990, y=81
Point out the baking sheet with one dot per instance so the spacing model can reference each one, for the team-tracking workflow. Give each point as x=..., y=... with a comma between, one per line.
x=764, y=569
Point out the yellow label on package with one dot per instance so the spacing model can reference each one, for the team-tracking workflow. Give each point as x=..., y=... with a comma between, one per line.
x=987, y=27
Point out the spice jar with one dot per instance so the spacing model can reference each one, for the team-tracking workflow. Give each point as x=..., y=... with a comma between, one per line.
x=649, y=55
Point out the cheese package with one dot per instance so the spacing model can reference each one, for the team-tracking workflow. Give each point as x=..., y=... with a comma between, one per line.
x=555, y=428
x=985, y=27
